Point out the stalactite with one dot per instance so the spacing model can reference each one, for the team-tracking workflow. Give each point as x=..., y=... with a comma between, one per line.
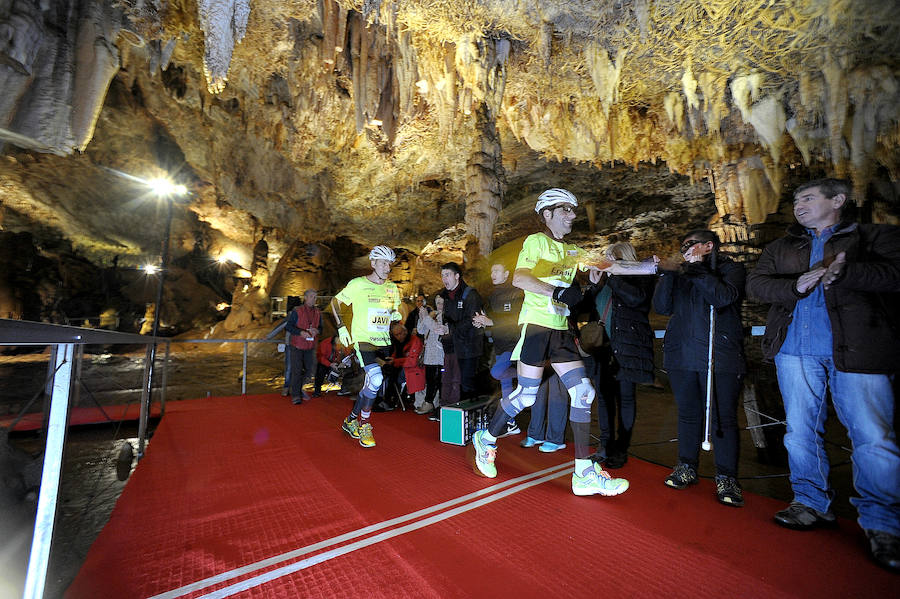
x=836, y=109
x=744, y=190
x=604, y=73
x=485, y=181
x=96, y=63
x=224, y=23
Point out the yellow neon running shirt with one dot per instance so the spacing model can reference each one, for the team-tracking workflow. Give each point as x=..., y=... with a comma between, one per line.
x=372, y=305
x=553, y=262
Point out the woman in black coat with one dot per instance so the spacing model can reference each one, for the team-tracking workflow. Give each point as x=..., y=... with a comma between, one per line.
x=686, y=292
x=623, y=305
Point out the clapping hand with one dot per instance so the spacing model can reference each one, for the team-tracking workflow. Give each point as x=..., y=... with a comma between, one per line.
x=834, y=270
x=810, y=279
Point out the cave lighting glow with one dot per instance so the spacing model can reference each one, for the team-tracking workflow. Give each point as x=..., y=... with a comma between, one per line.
x=164, y=187
x=150, y=269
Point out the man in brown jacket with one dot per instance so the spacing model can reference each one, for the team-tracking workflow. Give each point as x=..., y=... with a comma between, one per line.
x=830, y=283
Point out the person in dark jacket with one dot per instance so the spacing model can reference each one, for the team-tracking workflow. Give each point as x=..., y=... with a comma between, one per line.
x=502, y=318
x=623, y=304
x=833, y=326
x=461, y=303
x=705, y=279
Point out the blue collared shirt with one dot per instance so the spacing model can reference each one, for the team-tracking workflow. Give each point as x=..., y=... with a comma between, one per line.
x=809, y=333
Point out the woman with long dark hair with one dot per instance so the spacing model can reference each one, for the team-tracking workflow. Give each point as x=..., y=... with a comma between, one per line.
x=686, y=292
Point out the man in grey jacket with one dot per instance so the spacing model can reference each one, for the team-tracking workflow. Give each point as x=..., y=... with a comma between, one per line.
x=829, y=282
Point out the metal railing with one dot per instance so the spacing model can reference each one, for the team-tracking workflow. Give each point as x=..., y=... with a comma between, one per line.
x=67, y=350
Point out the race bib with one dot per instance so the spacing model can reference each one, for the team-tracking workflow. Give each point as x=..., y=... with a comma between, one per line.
x=557, y=308
x=379, y=320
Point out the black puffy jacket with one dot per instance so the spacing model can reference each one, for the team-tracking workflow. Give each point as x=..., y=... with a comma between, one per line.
x=686, y=295
x=629, y=329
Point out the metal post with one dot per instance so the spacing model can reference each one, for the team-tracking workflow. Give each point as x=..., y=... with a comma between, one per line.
x=76, y=385
x=145, y=401
x=151, y=356
x=244, y=372
x=39, y=558
x=165, y=380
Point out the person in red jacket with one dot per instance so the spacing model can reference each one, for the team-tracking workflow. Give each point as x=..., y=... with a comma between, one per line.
x=303, y=323
x=408, y=359
x=329, y=355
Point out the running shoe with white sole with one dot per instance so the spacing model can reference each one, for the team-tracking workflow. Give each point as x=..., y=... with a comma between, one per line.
x=351, y=427
x=483, y=457
x=366, y=439
x=511, y=429
x=597, y=481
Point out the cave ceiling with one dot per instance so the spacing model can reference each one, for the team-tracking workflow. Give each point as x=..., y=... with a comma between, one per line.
x=408, y=122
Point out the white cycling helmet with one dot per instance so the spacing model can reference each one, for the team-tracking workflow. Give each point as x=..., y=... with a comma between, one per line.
x=555, y=196
x=382, y=252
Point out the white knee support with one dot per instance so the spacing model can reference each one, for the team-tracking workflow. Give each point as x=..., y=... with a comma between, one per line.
x=374, y=379
x=582, y=395
x=519, y=399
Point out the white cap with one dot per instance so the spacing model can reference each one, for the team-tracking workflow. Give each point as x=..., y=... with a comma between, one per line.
x=382, y=252
x=555, y=196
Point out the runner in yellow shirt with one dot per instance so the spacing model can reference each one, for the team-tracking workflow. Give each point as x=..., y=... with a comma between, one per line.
x=373, y=301
x=545, y=271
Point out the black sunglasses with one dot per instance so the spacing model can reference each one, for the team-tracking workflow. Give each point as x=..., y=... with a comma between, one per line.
x=689, y=244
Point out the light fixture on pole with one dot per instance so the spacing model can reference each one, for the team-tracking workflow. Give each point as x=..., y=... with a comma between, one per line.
x=164, y=189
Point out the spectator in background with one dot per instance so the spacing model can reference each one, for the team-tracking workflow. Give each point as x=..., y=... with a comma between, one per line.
x=407, y=361
x=329, y=355
x=502, y=319
x=833, y=326
x=303, y=323
x=549, y=415
x=623, y=305
x=412, y=319
x=685, y=292
x=461, y=304
x=431, y=326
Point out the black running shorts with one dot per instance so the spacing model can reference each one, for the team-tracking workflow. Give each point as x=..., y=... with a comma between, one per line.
x=539, y=343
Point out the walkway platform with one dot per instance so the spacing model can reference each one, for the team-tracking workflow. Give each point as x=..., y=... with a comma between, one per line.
x=253, y=497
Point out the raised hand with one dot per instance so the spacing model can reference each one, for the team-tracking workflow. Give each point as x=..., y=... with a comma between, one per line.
x=810, y=279
x=834, y=270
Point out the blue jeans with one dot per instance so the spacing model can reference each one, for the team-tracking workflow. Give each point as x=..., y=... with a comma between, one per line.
x=504, y=371
x=550, y=412
x=864, y=404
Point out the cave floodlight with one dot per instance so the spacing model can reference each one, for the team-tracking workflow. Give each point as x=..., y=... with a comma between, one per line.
x=150, y=269
x=165, y=188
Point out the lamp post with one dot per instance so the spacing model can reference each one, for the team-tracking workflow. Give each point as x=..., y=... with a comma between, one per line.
x=163, y=188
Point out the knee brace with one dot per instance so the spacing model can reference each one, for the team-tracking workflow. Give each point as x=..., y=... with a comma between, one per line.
x=580, y=398
x=523, y=396
x=374, y=379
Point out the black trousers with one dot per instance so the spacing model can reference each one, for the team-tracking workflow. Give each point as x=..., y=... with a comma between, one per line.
x=432, y=381
x=689, y=388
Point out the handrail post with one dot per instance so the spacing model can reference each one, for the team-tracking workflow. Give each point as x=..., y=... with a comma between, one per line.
x=145, y=399
x=244, y=372
x=39, y=559
x=165, y=380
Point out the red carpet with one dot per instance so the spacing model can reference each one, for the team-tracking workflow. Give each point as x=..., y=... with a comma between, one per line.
x=229, y=482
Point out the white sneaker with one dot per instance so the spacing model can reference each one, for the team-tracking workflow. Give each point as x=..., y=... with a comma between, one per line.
x=597, y=481
x=424, y=408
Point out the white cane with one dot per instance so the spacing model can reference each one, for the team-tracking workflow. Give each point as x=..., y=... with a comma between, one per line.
x=706, y=445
